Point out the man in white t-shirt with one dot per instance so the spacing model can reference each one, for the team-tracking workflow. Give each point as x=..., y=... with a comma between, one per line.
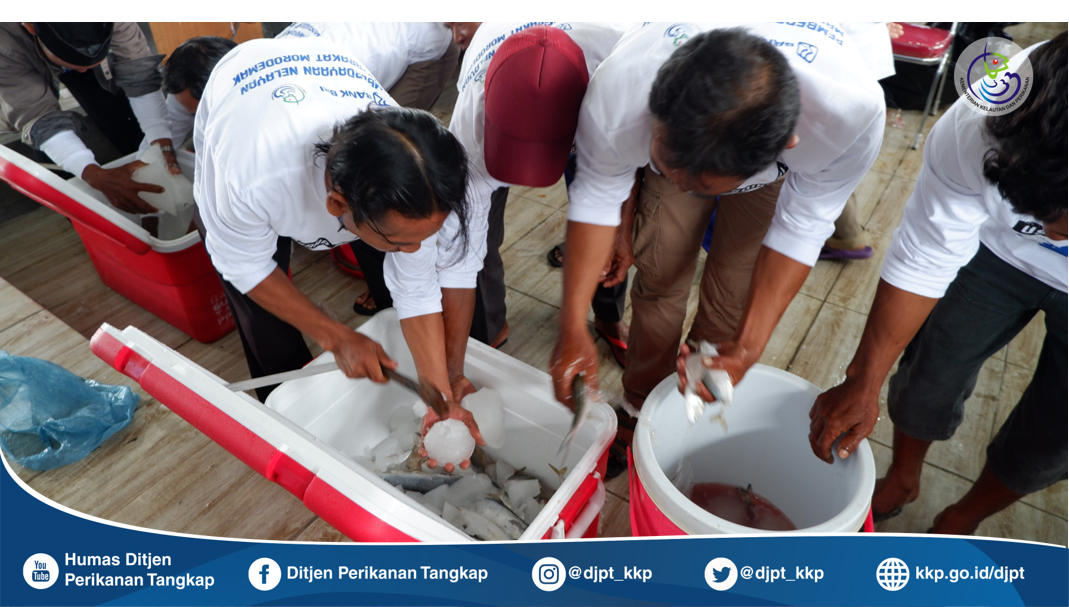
x=413, y=61
x=498, y=160
x=980, y=251
x=110, y=70
x=296, y=140
x=771, y=125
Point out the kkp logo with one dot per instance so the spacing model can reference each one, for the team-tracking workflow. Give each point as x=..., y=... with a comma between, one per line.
x=984, y=78
x=290, y=93
x=680, y=32
x=892, y=574
x=40, y=571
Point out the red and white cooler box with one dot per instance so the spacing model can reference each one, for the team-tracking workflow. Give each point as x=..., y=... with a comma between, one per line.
x=303, y=437
x=172, y=278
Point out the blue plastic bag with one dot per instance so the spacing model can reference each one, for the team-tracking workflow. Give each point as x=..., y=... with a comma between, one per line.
x=50, y=417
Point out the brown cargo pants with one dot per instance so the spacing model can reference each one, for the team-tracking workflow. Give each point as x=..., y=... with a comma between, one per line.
x=669, y=226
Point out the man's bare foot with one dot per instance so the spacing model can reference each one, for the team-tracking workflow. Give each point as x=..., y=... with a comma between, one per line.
x=891, y=495
x=501, y=338
x=950, y=522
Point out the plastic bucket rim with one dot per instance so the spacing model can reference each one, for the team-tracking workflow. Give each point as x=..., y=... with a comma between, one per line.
x=687, y=516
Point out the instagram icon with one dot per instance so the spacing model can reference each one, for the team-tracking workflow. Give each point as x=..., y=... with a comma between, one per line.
x=548, y=574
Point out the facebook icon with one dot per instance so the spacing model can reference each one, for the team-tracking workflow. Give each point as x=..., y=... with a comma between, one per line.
x=264, y=574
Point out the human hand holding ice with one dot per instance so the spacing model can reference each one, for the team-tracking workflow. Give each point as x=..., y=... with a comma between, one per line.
x=450, y=442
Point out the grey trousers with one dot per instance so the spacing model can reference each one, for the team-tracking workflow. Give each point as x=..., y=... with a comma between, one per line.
x=985, y=307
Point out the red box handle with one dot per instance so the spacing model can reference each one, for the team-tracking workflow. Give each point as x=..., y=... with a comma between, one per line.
x=293, y=477
x=52, y=198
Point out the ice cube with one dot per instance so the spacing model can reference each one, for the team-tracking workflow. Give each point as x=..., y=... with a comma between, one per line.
x=469, y=489
x=491, y=470
x=475, y=525
x=503, y=473
x=531, y=508
x=449, y=442
x=405, y=440
x=401, y=417
x=450, y=513
x=416, y=495
x=419, y=408
x=489, y=411
x=384, y=449
x=520, y=491
x=436, y=497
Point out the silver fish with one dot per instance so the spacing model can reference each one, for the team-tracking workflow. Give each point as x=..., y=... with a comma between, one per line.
x=561, y=472
x=582, y=405
x=483, y=528
x=502, y=516
x=717, y=381
x=420, y=482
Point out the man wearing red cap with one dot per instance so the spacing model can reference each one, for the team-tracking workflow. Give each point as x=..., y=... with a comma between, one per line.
x=95, y=61
x=520, y=89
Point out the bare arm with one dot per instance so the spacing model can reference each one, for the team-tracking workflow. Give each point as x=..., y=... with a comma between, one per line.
x=851, y=409
x=623, y=256
x=776, y=280
x=588, y=249
x=458, y=308
x=356, y=354
x=426, y=337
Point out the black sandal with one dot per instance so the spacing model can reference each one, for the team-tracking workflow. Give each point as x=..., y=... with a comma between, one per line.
x=362, y=311
x=555, y=257
x=625, y=435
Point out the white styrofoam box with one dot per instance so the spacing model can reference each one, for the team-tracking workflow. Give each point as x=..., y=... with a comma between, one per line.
x=319, y=421
x=350, y=415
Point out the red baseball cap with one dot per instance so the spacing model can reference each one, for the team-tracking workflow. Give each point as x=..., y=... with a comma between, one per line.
x=534, y=86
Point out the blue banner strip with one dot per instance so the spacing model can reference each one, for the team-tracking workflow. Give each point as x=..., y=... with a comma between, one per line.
x=51, y=557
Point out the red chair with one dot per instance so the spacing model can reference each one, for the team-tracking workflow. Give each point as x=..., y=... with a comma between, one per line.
x=923, y=45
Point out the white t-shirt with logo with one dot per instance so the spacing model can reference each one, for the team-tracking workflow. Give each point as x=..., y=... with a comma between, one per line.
x=266, y=105
x=385, y=48
x=953, y=209
x=469, y=115
x=840, y=128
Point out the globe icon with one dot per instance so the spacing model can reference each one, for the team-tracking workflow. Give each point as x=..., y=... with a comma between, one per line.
x=892, y=574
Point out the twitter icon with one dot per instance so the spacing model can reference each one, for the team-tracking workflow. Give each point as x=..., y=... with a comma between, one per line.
x=721, y=573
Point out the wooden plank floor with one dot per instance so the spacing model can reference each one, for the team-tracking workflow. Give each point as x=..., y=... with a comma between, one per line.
x=161, y=473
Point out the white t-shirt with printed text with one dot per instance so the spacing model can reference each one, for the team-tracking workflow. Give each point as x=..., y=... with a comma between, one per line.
x=385, y=48
x=840, y=128
x=954, y=208
x=266, y=105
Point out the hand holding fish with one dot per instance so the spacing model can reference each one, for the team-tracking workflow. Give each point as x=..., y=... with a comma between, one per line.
x=732, y=357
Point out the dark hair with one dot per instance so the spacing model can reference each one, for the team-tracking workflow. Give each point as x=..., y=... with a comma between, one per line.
x=1028, y=157
x=728, y=101
x=190, y=65
x=398, y=159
